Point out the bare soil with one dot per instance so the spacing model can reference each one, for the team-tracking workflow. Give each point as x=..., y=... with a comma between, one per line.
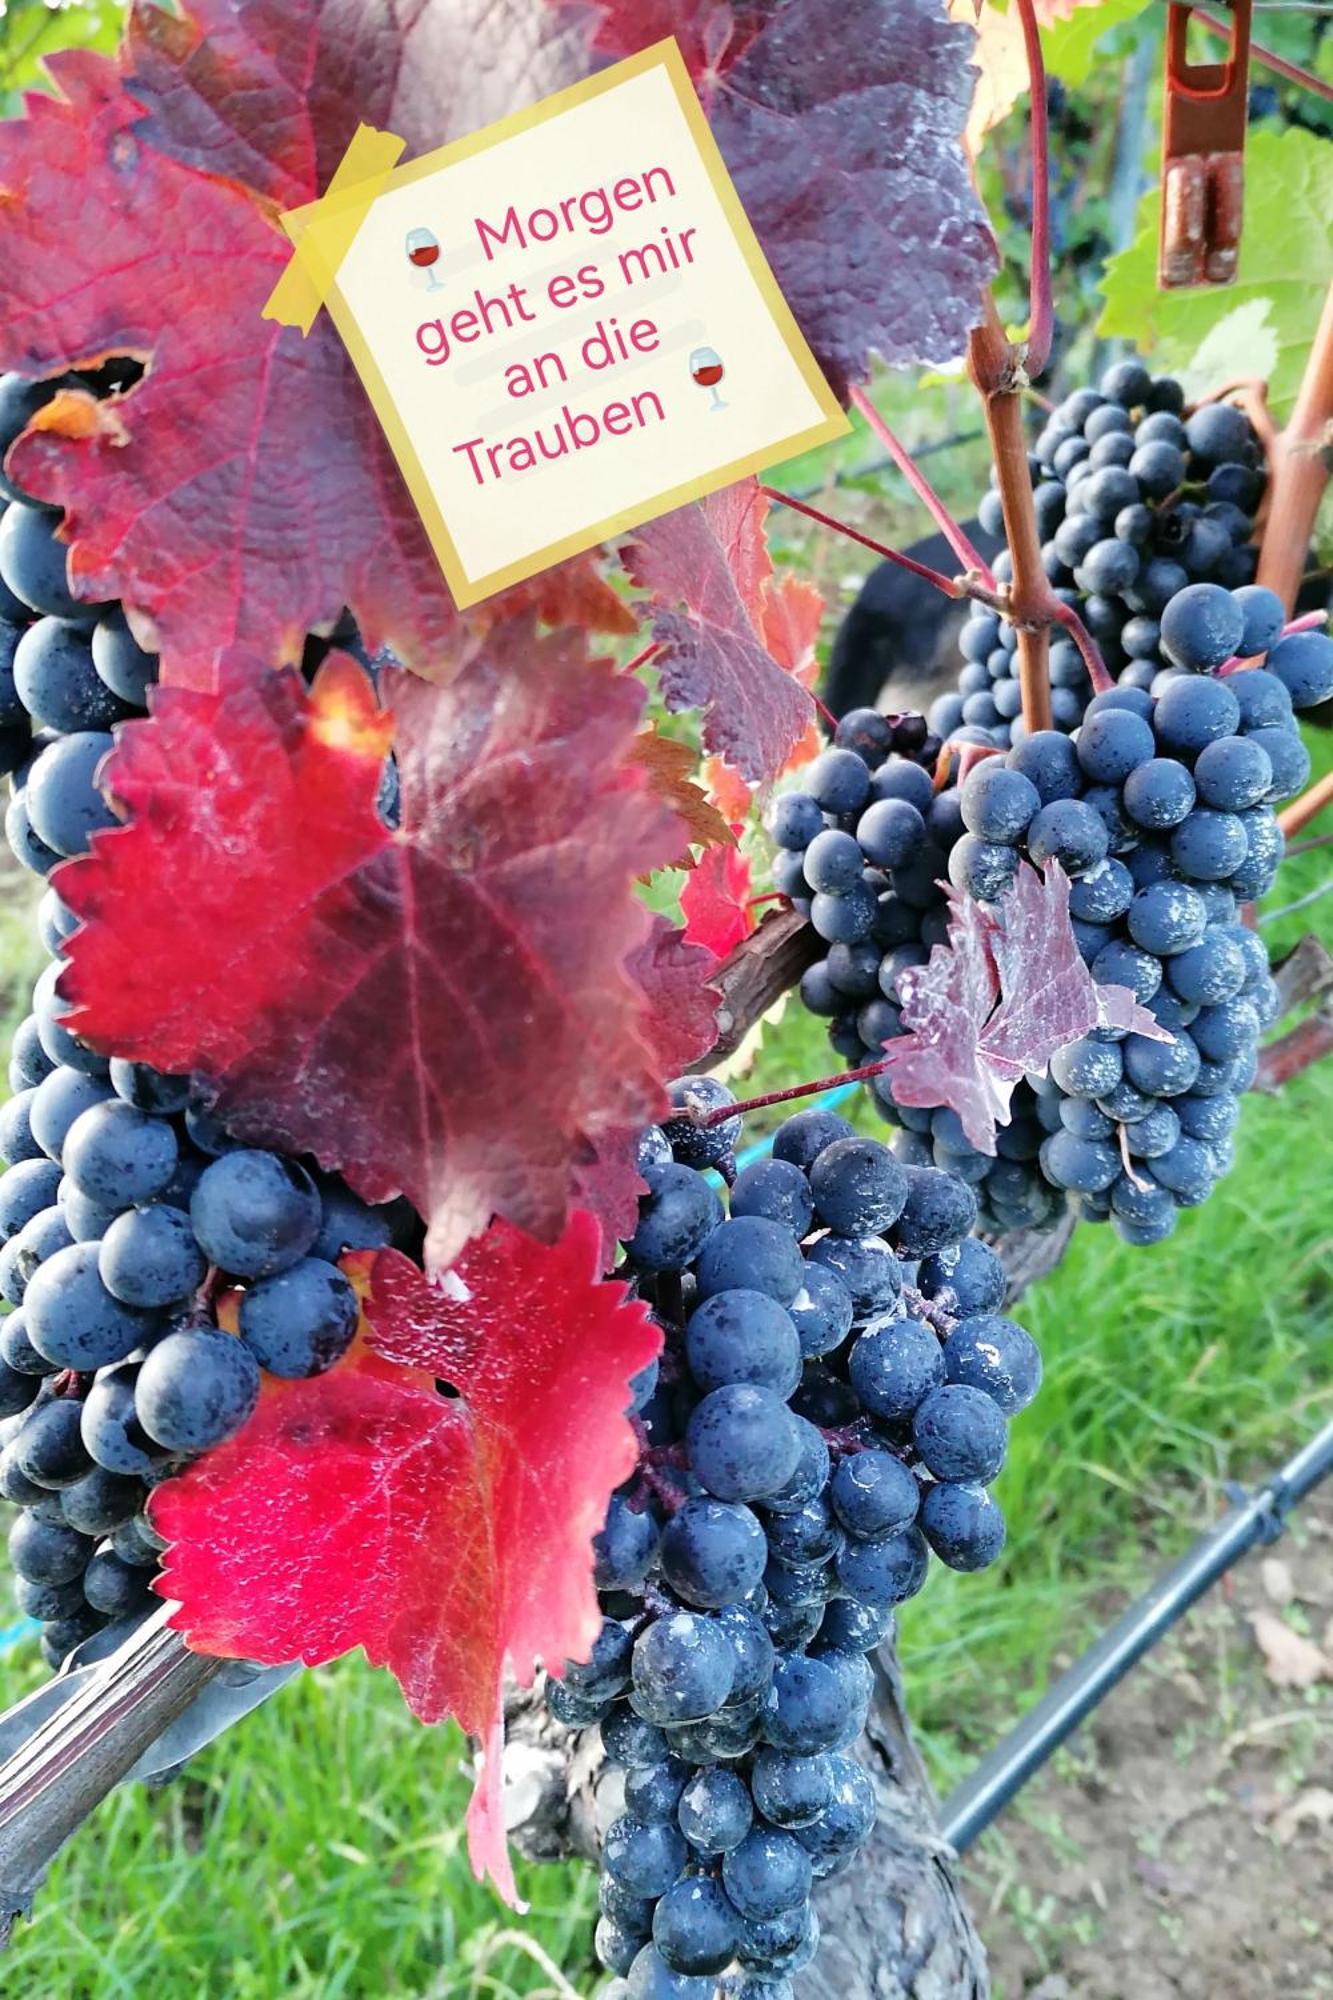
x=1182, y=1847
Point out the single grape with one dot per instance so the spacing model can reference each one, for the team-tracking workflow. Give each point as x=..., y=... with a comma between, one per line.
x=196, y=1388
x=1208, y=845
x=675, y=1221
x=101, y=1501
x=683, y=1670
x=120, y=661
x=894, y=1365
x=743, y=1443
x=874, y=1494
x=255, y=1213
x=713, y=1553
x=996, y=1355
x=33, y=566
x=963, y=1525
x=715, y=1811
x=692, y=1142
x=767, y=1873
x=751, y=1252
x=960, y=1433
x=776, y=1189
x=1303, y=662
x=74, y=1320
x=1070, y=832
x=301, y=1320
x=117, y=1156
x=939, y=1211
x=1193, y=712
x=65, y=806
x=743, y=1336
x=1202, y=627
x=969, y=1279
x=694, y=1926
x=46, y=1552
x=1159, y=794
x=61, y=1097
x=1264, y=615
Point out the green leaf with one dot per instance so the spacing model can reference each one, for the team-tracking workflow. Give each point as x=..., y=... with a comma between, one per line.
x=1069, y=46
x=32, y=29
x=1242, y=342
x=1286, y=263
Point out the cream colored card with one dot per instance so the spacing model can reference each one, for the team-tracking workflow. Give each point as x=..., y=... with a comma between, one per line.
x=565, y=322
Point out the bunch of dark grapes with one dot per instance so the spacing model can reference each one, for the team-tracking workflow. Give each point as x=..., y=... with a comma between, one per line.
x=864, y=847
x=126, y=1210
x=1161, y=810
x=831, y=1404
x=1134, y=501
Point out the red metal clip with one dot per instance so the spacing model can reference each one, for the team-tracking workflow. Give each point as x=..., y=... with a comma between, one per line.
x=1203, y=149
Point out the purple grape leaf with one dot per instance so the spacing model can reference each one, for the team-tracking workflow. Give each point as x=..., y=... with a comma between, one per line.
x=710, y=575
x=998, y=1000
x=946, y=1004
x=842, y=126
x=1117, y=1008
x=1048, y=997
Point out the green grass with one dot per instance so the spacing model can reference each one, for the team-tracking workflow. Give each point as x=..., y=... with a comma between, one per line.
x=317, y=1850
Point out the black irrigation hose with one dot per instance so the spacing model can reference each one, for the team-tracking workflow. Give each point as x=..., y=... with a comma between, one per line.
x=1253, y=1519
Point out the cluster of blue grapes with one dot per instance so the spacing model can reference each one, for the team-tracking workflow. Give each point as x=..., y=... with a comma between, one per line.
x=1134, y=501
x=831, y=1403
x=124, y=1212
x=1161, y=809
x=125, y=1208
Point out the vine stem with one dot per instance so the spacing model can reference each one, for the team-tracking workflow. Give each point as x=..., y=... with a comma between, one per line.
x=1304, y=846
x=1098, y=674
x=951, y=586
x=747, y=1104
x=1041, y=316
x=998, y=377
x=1309, y=621
x=641, y=659
x=825, y=711
x=1299, y=466
x=954, y=534
x=1308, y=806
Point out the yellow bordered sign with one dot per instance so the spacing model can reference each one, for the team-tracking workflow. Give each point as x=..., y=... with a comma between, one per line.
x=564, y=321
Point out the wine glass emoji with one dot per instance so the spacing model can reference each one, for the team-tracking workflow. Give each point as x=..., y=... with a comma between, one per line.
x=423, y=251
x=706, y=368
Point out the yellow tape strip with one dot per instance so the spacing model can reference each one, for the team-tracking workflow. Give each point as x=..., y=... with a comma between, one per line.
x=322, y=231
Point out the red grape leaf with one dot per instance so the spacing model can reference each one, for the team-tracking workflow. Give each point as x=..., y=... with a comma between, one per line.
x=572, y=593
x=710, y=559
x=447, y=1535
x=441, y=1011
x=715, y=901
x=670, y=768
x=243, y=491
x=728, y=791
x=998, y=1000
x=793, y=613
x=680, y=1024
x=712, y=34
x=793, y=610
